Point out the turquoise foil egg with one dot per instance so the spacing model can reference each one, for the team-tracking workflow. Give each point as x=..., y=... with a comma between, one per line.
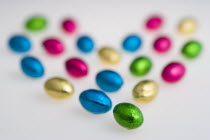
x=95, y=101
x=85, y=44
x=32, y=67
x=109, y=81
x=19, y=43
x=132, y=43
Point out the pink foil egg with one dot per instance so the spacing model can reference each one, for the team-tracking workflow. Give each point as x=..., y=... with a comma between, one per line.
x=69, y=26
x=173, y=72
x=154, y=23
x=76, y=67
x=53, y=46
x=162, y=44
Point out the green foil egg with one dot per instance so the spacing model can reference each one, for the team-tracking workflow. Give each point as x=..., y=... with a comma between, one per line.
x=140, y=66
x=128, y=115
x=191, y=49
x=36, y=23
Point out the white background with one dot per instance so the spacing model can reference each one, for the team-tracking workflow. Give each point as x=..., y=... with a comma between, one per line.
x=181, y=111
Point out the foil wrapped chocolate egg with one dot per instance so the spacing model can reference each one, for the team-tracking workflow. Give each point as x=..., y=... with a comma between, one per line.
x=128, y=115
x=20, y=43
x=85, y=44
x=76, y=67
x=140, y=66
x=187, y=26
x=58, y=88
x=191, y=49
x=36, y=23
x=53, y=46
x=32, y=67
x=95, y=101
x=109, y=81
x=132, y=43
x=154, y=22
x=69, y=25
x=162, y=44
x=145, y=91
x=109, y=55
x=173, y=72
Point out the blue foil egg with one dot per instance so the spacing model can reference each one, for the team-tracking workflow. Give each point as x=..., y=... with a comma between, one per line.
x=95, y=101
x=85, y=44
x=20, y=43
x=132, y=43
x=32, y=67
x=109, y=81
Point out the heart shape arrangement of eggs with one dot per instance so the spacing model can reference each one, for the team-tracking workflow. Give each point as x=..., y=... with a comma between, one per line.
x=97, y=101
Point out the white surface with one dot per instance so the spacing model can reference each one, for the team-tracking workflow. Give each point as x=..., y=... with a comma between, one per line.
x=181, y=111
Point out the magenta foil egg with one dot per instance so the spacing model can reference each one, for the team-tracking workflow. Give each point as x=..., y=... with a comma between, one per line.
x=154, y=23
x=69, y=26
x=173, y=72
x=53, y=46
x=162, y=44
x=76, y=67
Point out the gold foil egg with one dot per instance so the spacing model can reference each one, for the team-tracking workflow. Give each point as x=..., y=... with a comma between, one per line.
x=187, y=26
x=109, y=55
x=145, y=91
x=58, y=88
